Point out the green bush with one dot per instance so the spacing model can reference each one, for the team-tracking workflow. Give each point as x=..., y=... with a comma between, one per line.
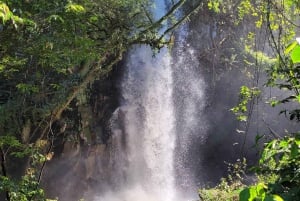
x=280, y=157
x=229, y=187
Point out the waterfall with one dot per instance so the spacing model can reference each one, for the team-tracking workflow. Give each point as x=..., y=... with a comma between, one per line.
x=147, y=90
x=155, y=126
x=147, y=114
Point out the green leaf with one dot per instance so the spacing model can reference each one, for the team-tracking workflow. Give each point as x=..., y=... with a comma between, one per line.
x=27, y=88
x=273, y=103
x=290, y=47
x=298, y=98
x=242, y=118
x=75, y=8
x=214, y=5
x=248, y=194
x=260, y=189
x=10, y=141
x=5, y=13
x=295, y=54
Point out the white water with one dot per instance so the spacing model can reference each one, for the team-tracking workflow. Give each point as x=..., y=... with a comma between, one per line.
x=146, y=165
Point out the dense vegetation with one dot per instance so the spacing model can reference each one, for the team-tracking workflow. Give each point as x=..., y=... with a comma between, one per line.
x=278, y=169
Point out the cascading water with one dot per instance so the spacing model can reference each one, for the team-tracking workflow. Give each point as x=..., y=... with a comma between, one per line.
x=147, y=115
x=158, y=119
x=148, y=124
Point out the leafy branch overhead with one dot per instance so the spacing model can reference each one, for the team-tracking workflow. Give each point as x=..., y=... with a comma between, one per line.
x=68, y=45
x=65, y=46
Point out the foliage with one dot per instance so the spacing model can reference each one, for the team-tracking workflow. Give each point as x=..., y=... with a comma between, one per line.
x=280, y=157
x=27, y=187
x=214, y=5
x=219, y=194
x=246, y=95
x=285, y=75
x=56, y=48
x=7, y=16
x=23, y=190
x=257, y=192
x=230, y=187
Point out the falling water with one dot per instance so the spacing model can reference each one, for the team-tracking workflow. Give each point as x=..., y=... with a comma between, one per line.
x=159, y=116
x=147, y=115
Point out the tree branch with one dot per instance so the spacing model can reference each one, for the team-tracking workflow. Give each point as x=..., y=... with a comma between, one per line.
x=95, y=71
x=141, y=36
x=180, y=21
x=163, y=18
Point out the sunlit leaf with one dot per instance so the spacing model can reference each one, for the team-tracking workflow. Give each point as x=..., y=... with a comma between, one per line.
x=298, y=98
x=295, y=54
x=75, y=8
x=5, y=13
x=273, y=198
x=248, y=194
x=290, y=47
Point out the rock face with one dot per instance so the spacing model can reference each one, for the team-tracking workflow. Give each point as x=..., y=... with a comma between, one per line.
x=226, y=65
x=216, y=41
x=82, y=151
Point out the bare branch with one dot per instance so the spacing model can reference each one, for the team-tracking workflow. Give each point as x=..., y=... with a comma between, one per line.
x=180, y=21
